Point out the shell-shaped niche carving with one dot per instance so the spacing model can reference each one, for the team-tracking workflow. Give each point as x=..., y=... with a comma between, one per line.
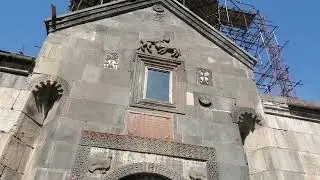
x=247, y=120
x=46, y=94
x=47, y=90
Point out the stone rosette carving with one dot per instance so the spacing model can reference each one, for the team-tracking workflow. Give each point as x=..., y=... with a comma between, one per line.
x=111, y=61
x=204, y=76
x=161, y=47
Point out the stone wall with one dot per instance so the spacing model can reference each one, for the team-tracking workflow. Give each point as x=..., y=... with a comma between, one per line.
x=17, y=133
x=98, y=95
x=287, y=146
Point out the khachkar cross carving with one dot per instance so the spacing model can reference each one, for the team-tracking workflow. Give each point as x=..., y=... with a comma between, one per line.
x=162, y=47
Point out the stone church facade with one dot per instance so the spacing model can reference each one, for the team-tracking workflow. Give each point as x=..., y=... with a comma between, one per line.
x=91, y=106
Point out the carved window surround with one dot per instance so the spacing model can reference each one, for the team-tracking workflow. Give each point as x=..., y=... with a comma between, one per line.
x=177, y=86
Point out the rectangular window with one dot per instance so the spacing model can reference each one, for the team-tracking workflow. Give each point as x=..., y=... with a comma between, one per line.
x=157, y=85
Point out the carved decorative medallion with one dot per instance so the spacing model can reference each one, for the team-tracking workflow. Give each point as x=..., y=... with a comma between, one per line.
x=205, y=101
x=159, y=12
x=112, y=61
x=204, y=76
x=161, y=47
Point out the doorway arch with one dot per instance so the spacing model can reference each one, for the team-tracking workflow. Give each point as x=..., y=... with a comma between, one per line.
x=143, y=170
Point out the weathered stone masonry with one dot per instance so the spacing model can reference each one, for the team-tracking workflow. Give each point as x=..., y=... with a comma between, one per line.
x=83, y=113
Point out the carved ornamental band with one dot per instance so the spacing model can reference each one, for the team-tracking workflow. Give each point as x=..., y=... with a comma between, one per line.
x=84, y=165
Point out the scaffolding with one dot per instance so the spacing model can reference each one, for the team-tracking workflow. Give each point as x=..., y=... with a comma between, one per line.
x=247, y=27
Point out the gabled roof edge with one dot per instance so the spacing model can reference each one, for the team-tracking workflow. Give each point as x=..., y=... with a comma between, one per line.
x=124, y=6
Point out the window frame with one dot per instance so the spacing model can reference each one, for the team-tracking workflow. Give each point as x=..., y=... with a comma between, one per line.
x=146, y=78
x=177, y=83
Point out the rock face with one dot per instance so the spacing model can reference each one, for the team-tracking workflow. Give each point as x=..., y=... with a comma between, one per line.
x=85, y=112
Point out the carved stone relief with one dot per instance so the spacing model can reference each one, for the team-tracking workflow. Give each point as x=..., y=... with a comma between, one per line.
x=100, y=165
x=112, y=143
x=247, y=120
x=159, y=12
x=204, y=76
x=47, y=90
x=205, y=101
x=193, y=175
x=161, y=47
x=112, y=61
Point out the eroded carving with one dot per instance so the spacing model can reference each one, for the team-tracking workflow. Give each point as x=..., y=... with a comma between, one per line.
x=46, y=90
x=204, y=76
x=46, y=94
x=194, y=175
x=112, y=61
x=162, y=47
x=247, y=119
x=205, y=101
x=100, y=165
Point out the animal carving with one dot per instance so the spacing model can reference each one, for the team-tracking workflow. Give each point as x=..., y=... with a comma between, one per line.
x=160, y=46
x=100, y=165
x=196, y=176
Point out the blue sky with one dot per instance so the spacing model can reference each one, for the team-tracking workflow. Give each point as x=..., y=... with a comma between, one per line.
x=22, y=29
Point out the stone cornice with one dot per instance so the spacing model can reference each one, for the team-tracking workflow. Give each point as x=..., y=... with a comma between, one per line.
x=291, y=108
x=16, y=63
x=124, y=6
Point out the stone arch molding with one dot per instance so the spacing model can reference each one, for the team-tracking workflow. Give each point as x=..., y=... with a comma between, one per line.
x=46, y=91
x=137, y=168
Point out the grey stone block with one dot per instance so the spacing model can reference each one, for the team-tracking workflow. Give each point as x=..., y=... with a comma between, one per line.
x=8, y=97
x=9, y=174
x=223, y=103
x=222, y=117
x=85, y=110
x=196, y=140
x=25, y=158
x=43, y=173
x=100, y=93
x=68, y=130
x=43, y=154
x=13, y=153
x=27, y=130
x=233, y=172
x=221, y=133
x=91, y=74
x=62, y=157
x=231, y=154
